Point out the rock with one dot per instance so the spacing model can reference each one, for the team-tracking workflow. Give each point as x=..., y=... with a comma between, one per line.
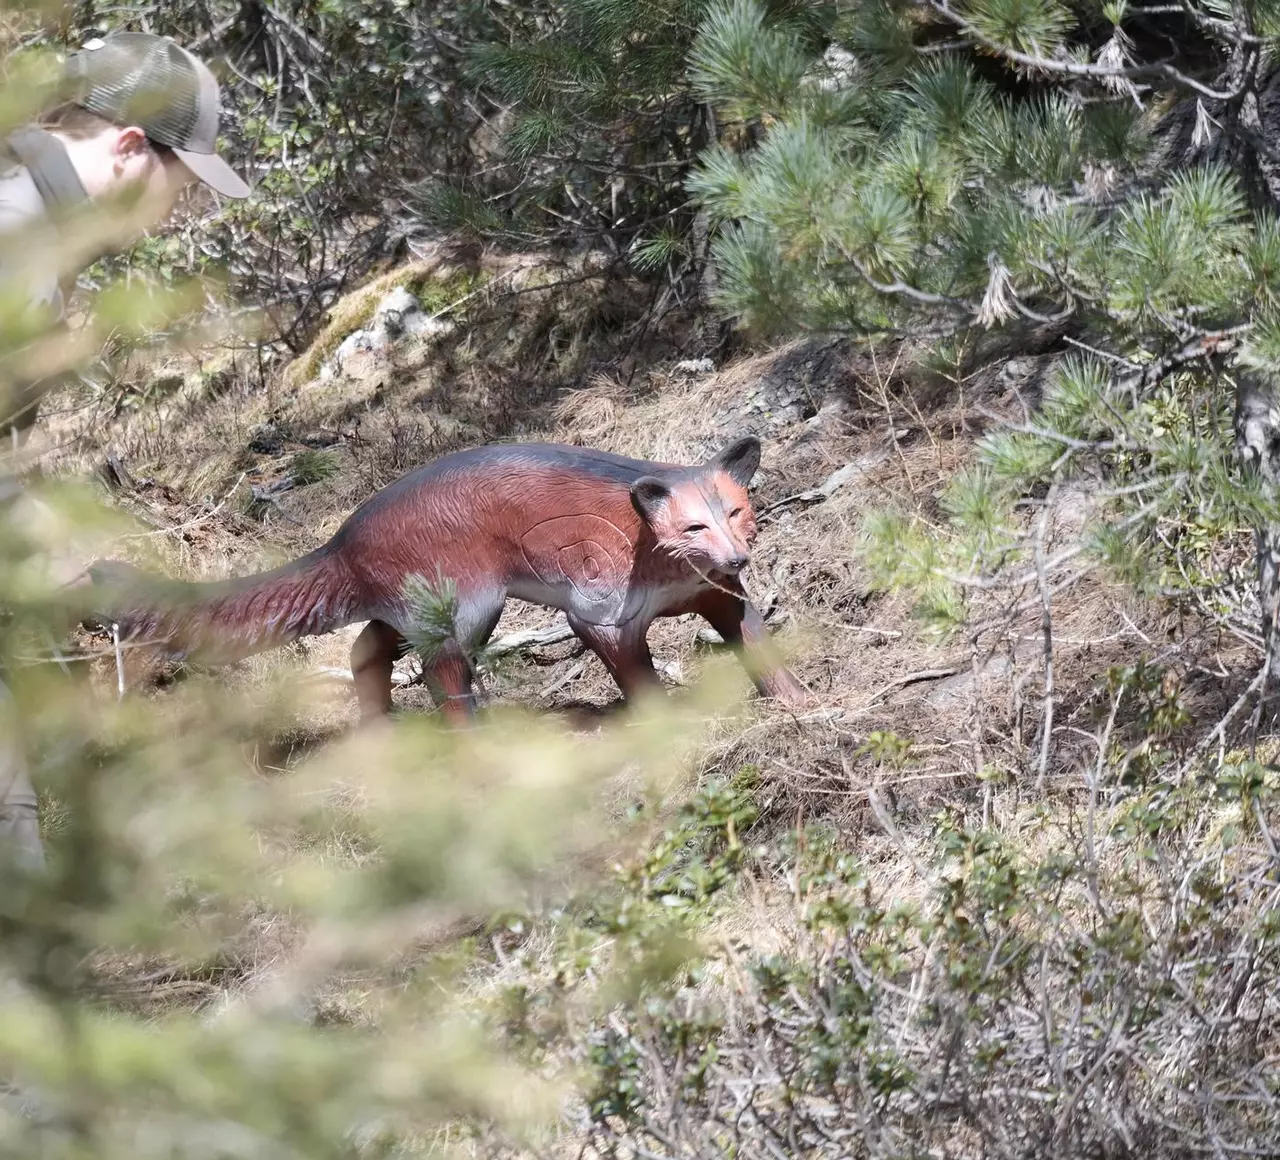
x=398, y=316
x=841, y=67
x=1017, y=370
x=265, y=439
x=790, y=387
x=694, y=366
x=955, y=690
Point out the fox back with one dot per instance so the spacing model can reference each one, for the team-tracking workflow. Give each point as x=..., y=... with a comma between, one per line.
x=583, y=530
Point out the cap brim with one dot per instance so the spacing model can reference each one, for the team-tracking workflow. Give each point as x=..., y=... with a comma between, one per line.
x=214, y=172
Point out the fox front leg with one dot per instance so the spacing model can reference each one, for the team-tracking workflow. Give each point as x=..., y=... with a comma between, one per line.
x=741, y=626
x=625, y=653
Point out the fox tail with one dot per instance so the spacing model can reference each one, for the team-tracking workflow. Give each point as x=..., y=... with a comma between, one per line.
x=224, y=621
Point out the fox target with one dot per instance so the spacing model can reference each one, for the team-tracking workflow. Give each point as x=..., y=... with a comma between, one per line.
x=596, y=565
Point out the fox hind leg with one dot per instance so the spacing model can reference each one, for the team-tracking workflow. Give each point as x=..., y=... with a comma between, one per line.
x=373, y=654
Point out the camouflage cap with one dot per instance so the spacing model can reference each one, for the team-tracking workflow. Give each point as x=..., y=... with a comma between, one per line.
x=136, y=78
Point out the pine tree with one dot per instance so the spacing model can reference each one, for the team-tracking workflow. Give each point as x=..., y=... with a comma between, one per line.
x=1095, y=179
x=600, y=125
x=989, y=171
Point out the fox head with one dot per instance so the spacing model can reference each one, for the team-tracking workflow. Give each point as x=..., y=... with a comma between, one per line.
x=703, y=514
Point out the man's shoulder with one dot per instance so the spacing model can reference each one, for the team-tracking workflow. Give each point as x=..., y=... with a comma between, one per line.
x=21, y=210
x=20, y=200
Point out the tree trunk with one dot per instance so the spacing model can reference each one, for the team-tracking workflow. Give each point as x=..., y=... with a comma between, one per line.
x=1257, y=438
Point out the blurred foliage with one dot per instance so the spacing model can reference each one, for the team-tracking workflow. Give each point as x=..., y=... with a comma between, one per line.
x=334, y=111
x=1017, y=992
x=164, y=843
x=167, y=985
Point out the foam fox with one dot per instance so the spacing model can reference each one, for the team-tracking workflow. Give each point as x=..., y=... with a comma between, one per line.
x=613, y=542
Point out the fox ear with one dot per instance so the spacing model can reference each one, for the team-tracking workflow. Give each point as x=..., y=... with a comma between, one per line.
x=649, y=493
x=740, y=460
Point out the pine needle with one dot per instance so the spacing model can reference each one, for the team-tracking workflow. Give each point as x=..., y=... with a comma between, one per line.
x=1202, y=134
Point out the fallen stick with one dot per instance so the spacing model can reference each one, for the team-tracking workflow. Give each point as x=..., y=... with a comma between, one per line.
x=345, y=675
x=912, y=679
x=559, y=683
x=829, y=486
x=555, y=633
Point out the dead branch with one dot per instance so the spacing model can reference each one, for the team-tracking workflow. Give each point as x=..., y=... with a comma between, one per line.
x=913, y=679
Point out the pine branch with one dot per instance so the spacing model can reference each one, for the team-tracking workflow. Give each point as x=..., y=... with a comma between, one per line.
x=1204, y=344
x=899, y=288
x=433, y=610
x=1160, y=69
x=971, y=313
x=1228, y=30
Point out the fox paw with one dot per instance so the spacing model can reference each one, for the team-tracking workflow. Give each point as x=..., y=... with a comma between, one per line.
x=792, y=694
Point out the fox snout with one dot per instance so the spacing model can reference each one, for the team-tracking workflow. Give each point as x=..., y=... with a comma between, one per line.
x=716, y=548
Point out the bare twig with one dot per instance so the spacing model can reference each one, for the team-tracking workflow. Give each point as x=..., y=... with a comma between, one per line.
x=912, y=679
x=1160, y=70
x=570, y=674
x=1046, y=628
x=115, y=641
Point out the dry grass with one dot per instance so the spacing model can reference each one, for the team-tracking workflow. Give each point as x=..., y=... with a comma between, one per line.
x=852, y=643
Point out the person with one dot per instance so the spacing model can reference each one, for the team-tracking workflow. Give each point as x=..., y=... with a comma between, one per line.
x=134, y=125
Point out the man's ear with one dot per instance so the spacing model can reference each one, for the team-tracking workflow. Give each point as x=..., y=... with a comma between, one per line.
x=648, y=494
x=129, y=142
x=740, y=460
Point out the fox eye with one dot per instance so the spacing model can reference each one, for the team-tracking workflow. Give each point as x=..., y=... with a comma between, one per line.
x=733, y=515
x=695, y=528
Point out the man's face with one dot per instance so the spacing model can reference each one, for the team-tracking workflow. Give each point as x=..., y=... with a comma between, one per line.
x=122, y=163
x=158, y=175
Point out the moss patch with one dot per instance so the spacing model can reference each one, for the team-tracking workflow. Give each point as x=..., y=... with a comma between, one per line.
x=425, y=280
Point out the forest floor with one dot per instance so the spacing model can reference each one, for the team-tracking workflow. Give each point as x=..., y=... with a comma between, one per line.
x=845, y=431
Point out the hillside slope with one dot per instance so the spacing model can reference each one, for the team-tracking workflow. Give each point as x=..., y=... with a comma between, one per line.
x=920, y=762
x=247, y=481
